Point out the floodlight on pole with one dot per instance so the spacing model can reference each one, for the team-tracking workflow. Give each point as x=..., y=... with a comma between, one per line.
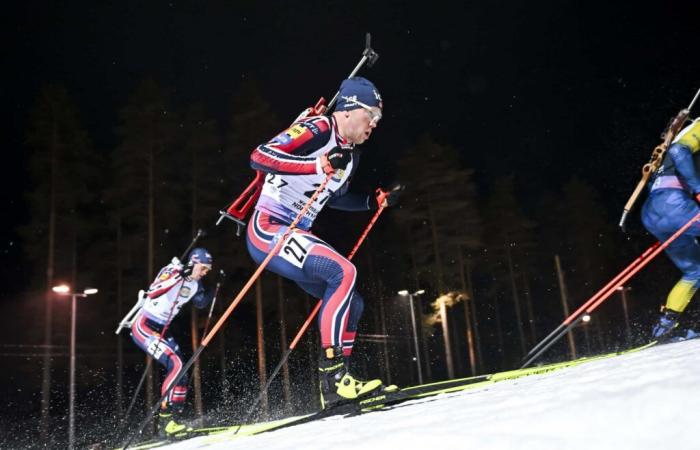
x=405, y=293
x=62, y=289
x=65, y=290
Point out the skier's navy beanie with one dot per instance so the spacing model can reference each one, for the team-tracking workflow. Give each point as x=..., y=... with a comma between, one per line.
x=357, y=89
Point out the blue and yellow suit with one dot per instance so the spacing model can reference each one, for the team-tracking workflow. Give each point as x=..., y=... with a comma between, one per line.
x=671, y=204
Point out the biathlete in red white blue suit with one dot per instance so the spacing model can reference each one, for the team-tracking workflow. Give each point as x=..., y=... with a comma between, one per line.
x=174, y=286
x=296, y=162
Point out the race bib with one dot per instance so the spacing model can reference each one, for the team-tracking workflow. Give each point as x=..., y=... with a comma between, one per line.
x=156, y=348
x=296, y=249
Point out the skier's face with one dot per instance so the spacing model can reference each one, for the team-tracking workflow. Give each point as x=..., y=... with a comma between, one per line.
x=361, y=122
x=199, y=271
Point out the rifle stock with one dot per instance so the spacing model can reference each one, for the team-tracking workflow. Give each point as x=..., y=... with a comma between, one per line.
x=239, y=210
x=657, y=157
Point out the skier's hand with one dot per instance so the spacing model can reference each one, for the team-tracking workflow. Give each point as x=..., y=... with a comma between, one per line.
x=335, y=159
x=177, y=266
x=187, y=270
x=389, y=197
x=697, y=197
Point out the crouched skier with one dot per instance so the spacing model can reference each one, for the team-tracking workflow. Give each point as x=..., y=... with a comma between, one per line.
x=174, y=286
x=296, y=162
x=672, y=202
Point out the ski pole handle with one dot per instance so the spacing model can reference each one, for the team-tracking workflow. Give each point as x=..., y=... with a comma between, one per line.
x=200, y=233
x=211, y=308
x=369, y=56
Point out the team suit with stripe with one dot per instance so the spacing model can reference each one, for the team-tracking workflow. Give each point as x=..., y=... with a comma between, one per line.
x=296, y=162
x=168, y=293
x=292, y=163
x=672, y=202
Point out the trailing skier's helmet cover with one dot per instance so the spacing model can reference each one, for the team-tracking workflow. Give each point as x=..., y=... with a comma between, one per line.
x=358, y=92
x=200, y=255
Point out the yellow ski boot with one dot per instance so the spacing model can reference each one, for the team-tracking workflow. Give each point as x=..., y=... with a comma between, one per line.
x=338, y=384
x=169, y=428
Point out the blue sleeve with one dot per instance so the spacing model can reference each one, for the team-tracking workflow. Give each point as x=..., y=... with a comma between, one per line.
x=351, y=202
x=203, y=297
x=682, y=158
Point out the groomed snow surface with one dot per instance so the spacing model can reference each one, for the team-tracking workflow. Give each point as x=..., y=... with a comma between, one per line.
x=644, y=400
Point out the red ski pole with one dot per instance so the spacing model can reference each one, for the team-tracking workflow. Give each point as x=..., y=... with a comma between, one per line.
x=612, y=284
x=604, y=294
x=232, y=306
x=310, y=318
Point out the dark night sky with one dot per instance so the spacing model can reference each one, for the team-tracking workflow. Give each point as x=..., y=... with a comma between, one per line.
x=542, y=91
x=516, y=87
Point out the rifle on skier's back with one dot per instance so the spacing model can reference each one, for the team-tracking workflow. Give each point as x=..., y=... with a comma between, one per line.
x=240, y=208
x=657, y=156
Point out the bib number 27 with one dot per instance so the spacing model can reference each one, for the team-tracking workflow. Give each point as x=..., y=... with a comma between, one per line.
x=296, y=249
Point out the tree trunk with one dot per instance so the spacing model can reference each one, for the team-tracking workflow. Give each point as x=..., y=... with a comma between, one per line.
x=378, y=326
x=456, y=346
x=471, y=354
x=312, y=353
x=475, y=321
x=382, y=315
x=516, y=302
x=287, y=390
x=530, y=310
x=196, y=371
x=221, y=336
x=565, y=305
x=436, y=249
x=149, y=258
x=120, y=314
x=46, y=367
x=262, y=371
x=194, y=316
x=446, y=339
x=499, y=329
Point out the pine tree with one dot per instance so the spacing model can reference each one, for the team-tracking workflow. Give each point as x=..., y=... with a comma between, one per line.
x=59, y=147
x=509, y=242
x=148, y=188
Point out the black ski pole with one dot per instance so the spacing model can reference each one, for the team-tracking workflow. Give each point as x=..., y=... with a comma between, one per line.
x=369, y=56
x=238, y=210
x=205, y=341
x=611, y=287
x=302, y=330
x=222, y=275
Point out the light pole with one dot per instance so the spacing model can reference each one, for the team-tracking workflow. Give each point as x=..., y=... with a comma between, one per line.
x=405, y=293
x=66, y=290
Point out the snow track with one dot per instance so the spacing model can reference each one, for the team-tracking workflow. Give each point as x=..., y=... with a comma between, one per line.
x=644, y=400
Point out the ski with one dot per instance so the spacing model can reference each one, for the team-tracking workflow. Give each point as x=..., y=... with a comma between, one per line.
x=383, y=400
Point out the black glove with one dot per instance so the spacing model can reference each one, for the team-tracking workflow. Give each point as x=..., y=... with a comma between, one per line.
x=335, y=159
x=187, y=270
x=389, y=197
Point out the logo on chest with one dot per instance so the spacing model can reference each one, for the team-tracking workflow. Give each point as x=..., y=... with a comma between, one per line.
x=185, y=292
